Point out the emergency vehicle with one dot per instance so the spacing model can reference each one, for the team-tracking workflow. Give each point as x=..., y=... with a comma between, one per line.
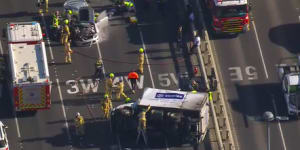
x=289, y=74
x=175, y=114
x=229, y=16
x=30, y=80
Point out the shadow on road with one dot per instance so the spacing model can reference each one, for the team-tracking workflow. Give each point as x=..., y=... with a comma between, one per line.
x=286, y=36
x=254, y=100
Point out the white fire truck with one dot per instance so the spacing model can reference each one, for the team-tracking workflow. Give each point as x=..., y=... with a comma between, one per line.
x=30, y=80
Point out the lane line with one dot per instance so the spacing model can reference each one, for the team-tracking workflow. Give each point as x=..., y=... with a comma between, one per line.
x=58, y=87
x=1, y=48
x=146, y=56
x=279, y=125
x=260, y=50
x=64, y=111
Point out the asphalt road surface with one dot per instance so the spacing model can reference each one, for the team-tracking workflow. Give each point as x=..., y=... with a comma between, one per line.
x=76, y=90
x=247, y=65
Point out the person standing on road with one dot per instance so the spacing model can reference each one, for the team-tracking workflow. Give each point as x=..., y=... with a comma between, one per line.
x=142, y=126
x=133, y=76
x=99, y=69
x=196, y=42
x=109, y=85
x=141, y=60
x=65, y=36
x=68, y=52
x=79, y=125
x=106, y=106
x=120, y=90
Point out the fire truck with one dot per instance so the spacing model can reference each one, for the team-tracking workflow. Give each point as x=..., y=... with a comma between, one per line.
x=30, y=83
x=229, y=16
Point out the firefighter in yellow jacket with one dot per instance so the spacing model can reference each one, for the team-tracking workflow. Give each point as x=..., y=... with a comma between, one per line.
x=79, y=124
x=120, y=90
x=106, y=106
x=142, y=124
x=109, y=85
x=141, y=60
x=65, y=36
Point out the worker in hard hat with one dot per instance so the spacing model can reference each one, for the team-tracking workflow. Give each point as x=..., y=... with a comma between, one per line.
x=141, y=60
x=96, y=17
x=120, y=90
x=68, y=52
x=65, y=36
x=79, y=124
x=106, y=106
x=142, y=126
x=99, y=69
x=109, y=85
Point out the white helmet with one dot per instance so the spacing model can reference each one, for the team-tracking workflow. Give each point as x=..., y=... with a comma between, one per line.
x=77, y=114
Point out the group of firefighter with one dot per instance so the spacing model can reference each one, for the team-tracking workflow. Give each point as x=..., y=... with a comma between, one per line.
x=60, y=23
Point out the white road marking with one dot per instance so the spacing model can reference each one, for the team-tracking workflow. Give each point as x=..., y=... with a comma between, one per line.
x=63, y=110
x=58, y=87
x=299, y=18
x=279, y=125
x=260, y=50
x=146, y=56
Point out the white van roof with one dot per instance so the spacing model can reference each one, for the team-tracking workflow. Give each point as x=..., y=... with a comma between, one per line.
x=173, y=99
x=24, y=32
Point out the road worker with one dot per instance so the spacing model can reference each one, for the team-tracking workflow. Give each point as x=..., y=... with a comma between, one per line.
x=79, y=124
x=99, y=69
x=133, y=76
x=109, y=85
x=96, y=17
x=55, y=20
x=65, y=36
x=142, y=126
x=68, y=52
x=120, y=90
x=106, y=106
x=141, y=60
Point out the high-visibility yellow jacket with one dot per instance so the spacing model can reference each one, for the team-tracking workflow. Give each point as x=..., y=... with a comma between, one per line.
x=79, y=121
x=106, y=105
x=66, y=30
x=142, y=115
x=141, y=58
x=121, y=87
x=108, y=83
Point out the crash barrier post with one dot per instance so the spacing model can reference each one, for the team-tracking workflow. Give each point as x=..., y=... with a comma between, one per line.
x=208, y=67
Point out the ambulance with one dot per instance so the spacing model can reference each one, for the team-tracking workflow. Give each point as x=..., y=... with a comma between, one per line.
x=30, y=82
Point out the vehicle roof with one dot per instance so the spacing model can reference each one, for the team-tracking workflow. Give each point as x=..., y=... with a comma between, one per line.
x=293, y=79
x=173, y=99
x=75, y=5
x=230, y=2
x=24, y=31
x=27, y=53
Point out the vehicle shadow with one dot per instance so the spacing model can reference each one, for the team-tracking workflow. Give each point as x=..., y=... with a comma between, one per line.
x=286, y=36
x=254, y=100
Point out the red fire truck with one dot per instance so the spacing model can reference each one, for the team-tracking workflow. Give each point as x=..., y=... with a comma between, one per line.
x=30, y=82
x=229, y=16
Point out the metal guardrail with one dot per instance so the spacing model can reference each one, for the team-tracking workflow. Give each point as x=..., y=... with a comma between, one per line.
x=222, y=129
